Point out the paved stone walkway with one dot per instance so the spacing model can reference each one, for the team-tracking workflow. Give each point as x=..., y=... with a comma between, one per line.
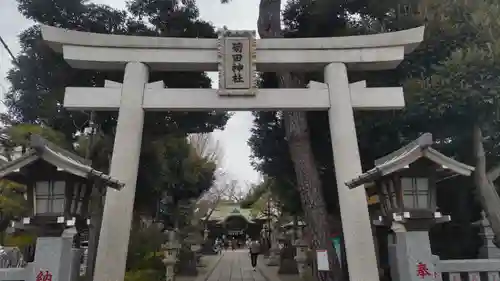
x=235, y=266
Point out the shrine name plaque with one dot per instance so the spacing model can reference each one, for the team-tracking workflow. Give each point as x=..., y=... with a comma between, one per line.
x=237, y=55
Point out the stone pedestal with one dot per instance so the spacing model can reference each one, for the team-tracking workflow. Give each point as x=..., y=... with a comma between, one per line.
x=55, y=256
x=410, y=256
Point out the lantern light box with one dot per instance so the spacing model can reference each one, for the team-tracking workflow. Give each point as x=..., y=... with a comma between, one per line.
x=58, y=183
x=405, y=181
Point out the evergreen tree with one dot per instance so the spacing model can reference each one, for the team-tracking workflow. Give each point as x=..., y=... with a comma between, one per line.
x=39, y=80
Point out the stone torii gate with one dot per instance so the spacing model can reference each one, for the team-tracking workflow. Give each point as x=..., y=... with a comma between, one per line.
x=236, y=55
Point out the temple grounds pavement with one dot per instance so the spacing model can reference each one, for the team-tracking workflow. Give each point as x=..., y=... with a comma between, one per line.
x=235, y=266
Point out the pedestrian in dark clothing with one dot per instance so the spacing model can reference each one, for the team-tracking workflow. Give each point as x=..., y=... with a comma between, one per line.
x=254, y=253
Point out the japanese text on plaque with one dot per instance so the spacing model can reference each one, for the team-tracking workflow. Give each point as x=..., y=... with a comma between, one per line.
x=237, y=67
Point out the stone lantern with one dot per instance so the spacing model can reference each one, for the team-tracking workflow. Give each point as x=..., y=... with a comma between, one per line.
x=171, y=251
x=194, y=240
x=409, y=195
x=302, y=249
x=58, y=186
x=405, y=182
x=205, y=234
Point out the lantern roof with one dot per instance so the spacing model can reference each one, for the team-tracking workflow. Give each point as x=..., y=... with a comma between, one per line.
x=41, y=148
x=403, y=157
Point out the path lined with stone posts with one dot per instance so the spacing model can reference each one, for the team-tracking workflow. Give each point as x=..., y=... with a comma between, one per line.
x=235, y=266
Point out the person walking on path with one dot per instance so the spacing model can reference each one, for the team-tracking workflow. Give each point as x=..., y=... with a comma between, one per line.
x=254, y=253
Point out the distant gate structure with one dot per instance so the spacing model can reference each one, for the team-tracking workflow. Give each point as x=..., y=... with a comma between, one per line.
x=237, y=55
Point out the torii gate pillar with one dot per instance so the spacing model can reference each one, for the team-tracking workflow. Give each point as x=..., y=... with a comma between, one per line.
x=361, y=255
x=124, y=166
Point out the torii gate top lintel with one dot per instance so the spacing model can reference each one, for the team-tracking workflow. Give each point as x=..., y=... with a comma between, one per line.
x=104, y=51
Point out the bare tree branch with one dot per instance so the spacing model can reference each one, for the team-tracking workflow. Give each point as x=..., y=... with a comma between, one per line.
x=207, y=147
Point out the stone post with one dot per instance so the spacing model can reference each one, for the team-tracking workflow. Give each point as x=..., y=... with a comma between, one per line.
x=410, y=254
x=356, y=225
x=171, y=250
x=54, y=257
x=118, y=208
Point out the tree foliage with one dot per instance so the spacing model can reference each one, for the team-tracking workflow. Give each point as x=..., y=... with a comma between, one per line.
x=168, y=163
x=449, y=83
x=12, y=202
x=144, y=260
x=184, y=173
x=254, y=194
x=38, y=83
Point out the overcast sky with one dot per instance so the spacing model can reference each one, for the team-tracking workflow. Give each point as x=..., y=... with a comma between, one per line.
x=240, y=14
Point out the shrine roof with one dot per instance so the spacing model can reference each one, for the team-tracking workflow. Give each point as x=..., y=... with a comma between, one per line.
x=40, y=148
x=224, y=211
x=403, y=157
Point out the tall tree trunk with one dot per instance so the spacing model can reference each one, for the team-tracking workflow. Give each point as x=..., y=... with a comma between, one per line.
x=487, y=194
x=297, y=134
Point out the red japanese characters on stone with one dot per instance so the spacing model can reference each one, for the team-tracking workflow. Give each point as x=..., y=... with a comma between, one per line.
x=422, y=270
x=44, y=276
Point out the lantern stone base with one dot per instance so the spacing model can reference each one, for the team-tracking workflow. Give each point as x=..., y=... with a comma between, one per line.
x=410, y=256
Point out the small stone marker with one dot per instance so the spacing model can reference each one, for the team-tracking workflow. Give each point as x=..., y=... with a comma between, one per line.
x=322, y=258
